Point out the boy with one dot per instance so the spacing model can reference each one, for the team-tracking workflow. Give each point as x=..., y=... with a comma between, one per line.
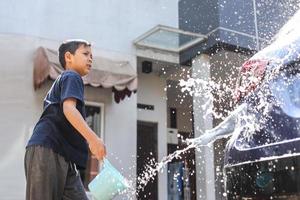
x=60, y=138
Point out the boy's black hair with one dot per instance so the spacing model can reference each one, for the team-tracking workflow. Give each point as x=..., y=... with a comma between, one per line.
x=70, y=46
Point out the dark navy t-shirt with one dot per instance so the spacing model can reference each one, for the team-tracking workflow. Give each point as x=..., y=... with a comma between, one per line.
x=53, y=130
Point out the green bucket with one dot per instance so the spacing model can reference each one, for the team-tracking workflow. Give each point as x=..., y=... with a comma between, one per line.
x=108, y=183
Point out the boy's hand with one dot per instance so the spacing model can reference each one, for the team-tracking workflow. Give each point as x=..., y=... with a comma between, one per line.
x=97, y=148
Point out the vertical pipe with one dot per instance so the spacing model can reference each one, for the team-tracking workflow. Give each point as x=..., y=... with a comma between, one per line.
x=255, y=24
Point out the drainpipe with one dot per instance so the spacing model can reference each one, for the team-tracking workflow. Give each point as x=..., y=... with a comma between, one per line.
x=255, y=25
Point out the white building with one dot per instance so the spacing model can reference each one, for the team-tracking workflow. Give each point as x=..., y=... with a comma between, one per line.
x=111, y=26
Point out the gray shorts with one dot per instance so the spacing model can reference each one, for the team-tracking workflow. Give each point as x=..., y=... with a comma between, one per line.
x=50, y=177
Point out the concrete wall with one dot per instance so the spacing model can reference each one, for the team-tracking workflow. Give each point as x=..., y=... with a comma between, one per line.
x=183, y=104
x=184, y=119
x=20, y=107
x=110, y=24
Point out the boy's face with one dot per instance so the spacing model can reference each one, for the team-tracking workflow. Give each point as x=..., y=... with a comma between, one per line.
x=81, y=61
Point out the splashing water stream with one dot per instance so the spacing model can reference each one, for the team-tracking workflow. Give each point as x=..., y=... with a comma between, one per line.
x=204, y=88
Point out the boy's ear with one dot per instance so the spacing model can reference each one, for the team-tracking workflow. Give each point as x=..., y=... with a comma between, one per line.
x=68, y=57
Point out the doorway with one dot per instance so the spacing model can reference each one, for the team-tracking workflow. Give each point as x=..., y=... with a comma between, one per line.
x=146, y=151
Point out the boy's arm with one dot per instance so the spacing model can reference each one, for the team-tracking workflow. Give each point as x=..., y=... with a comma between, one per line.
x=74, y=117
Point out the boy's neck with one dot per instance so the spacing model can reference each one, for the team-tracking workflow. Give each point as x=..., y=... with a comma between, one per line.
x=71, y=69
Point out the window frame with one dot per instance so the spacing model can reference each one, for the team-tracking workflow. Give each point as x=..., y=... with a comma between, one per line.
x=102, y=109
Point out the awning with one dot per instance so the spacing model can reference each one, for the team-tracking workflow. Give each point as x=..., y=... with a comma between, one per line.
x=106, y=73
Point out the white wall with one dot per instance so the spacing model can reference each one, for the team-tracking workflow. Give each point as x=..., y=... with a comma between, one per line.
x=110, y=24
x=120, y=136
x=151, y=91
x=20, y=108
